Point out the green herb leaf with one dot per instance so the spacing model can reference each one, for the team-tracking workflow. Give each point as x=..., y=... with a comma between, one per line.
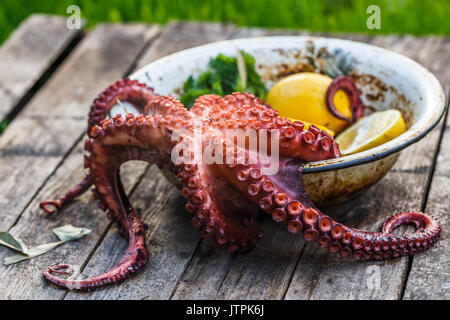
x=3, y=125
x=69, y=232
x=225, y=76
x=24, y=247
x=7, y=240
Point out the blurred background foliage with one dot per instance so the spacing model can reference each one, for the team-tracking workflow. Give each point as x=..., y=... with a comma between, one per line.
x=397, y=16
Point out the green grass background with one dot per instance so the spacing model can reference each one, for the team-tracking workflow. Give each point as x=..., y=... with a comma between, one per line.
x=397, y=16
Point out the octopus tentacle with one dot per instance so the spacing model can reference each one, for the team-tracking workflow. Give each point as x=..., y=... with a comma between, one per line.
x=312, y=144
x=223, y=197
x=237, y=106
x=54, y=206
x=222, y=214
x=135, y=257
x=110, y=144
x=349, y=87
x=284, y=198
x=247, y=112
x=283, y=195
x=109, y=191
x=123, y=91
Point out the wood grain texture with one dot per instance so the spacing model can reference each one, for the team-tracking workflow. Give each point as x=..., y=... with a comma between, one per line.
x=263, y=273
x=171, y=239
x=31, y=50
x=430, y=274
x=42, y=135
x=179, y=35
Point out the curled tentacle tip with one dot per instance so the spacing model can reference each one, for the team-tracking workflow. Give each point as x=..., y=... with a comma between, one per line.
x=59, y=269
x=419, y=219
x=50, y=207
x=52, y=275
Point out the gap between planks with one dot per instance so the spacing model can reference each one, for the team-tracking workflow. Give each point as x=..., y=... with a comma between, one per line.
x=428, y=276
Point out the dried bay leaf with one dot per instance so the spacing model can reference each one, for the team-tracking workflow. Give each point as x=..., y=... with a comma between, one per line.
x=33, y=252
x=8, y=240
x=65, y=233
x=15, y=259
x=69, y=232
x=43, y=248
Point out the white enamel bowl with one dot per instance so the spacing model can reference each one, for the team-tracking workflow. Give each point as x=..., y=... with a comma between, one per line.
x=385, y=79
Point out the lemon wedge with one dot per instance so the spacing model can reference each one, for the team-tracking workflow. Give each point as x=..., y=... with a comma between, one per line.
x=371, y=131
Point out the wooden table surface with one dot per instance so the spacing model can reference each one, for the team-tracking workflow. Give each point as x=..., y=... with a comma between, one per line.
x=48, y=77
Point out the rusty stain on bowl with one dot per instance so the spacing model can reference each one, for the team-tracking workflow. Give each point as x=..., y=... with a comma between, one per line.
x=378, y=96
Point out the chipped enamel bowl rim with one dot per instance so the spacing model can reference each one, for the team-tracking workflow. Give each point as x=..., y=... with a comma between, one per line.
x=167, y=74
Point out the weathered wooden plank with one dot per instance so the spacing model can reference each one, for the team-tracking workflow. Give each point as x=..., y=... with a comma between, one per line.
x=37, y=141
x=29, y=52
x=178, y=35
x=320, y=276
x=430, y=275
x=263, y=273
x=171, y=239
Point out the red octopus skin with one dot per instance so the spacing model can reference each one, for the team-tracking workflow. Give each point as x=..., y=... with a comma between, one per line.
x=127, y=90
x=223, y=199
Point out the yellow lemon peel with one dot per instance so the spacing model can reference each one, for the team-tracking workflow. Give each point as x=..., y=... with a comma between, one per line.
x=303, y=96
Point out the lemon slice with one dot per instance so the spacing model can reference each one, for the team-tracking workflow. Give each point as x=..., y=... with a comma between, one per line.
x=307, y=124
x=371, y=131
